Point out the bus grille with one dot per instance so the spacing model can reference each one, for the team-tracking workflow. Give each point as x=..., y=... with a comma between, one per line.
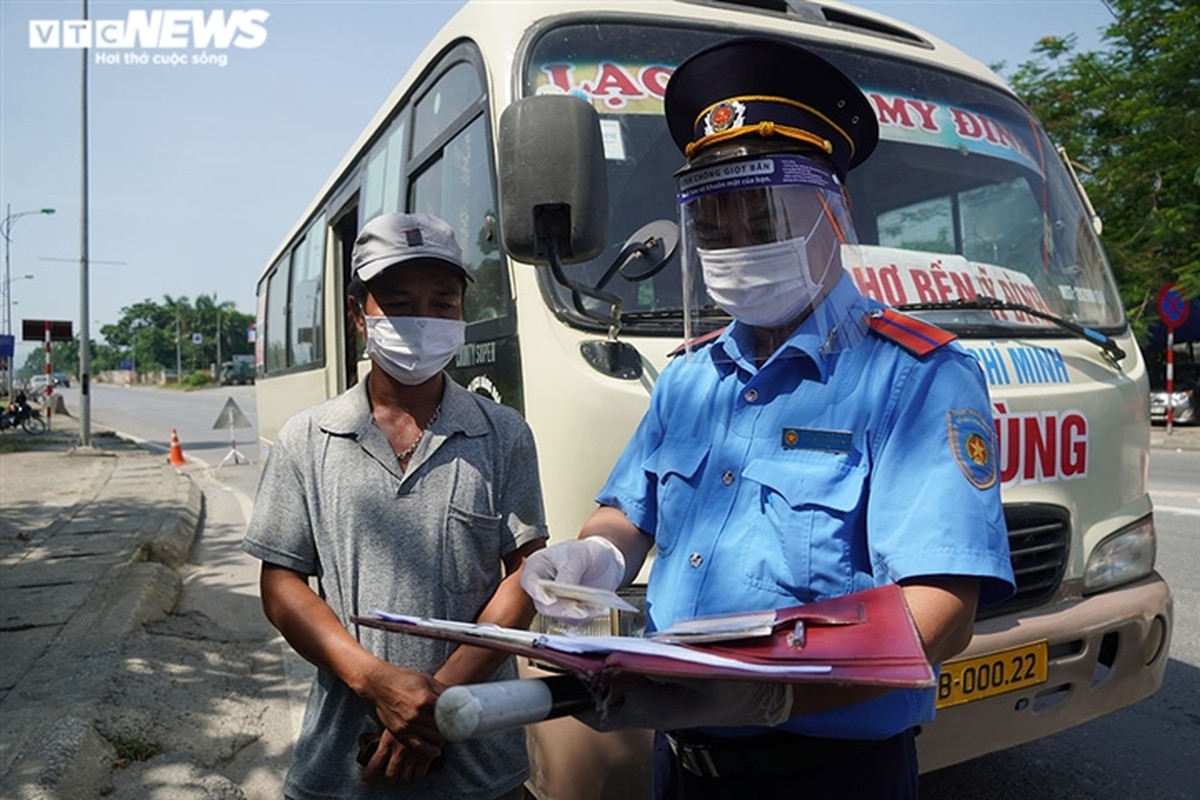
x=1038, y=538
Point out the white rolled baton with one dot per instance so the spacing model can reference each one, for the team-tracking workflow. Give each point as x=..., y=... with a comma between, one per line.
x=478, y=709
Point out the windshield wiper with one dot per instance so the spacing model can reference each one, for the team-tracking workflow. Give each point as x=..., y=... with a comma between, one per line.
x=984, y=303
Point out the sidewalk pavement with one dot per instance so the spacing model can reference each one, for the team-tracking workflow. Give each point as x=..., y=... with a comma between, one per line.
x=1181, y=437
x=91, y=540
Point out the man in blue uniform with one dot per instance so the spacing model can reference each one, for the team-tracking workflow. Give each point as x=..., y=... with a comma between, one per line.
x=817, y=446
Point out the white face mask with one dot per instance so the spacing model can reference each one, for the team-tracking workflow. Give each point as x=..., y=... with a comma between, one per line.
x=413, y=349
x=766, y=285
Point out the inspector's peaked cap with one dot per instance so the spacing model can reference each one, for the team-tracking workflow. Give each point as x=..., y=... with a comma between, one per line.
x=752, y=87
x=391, y=239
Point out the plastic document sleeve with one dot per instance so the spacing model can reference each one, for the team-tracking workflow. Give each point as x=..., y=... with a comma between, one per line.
x=865, y=638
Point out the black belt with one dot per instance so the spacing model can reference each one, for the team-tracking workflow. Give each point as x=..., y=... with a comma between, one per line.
x=774, y=753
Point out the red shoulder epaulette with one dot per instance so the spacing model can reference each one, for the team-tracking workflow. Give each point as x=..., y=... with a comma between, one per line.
x=699, y=340
x=916, y=336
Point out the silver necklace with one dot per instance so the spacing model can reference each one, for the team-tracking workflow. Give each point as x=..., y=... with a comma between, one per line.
x=412, y=448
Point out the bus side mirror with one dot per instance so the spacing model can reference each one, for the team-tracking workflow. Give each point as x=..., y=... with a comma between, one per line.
x=553, y=185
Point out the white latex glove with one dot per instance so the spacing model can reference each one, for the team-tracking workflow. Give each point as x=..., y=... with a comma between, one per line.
x=650, y=703
x=593, y=562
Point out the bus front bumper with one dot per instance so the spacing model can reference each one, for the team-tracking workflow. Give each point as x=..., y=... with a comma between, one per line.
x=1106, y=651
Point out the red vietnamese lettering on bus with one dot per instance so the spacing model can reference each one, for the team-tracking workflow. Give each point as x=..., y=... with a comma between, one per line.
x=924, y=285
x=989, y=289
x=1075, y=445
x=989, y=129
x=559, y=75
x=942, y=281
x=867, y=283
x=926, y=110
x=966, y=124
x=1040, y=447
x=613, y=84
x=891, y=110
x=963, y=287
x=893, y=287
x=1033, y=298
x=895, y=111
x=883, y=285
x=654, y=80
x=1012, y=294
x=981, y=127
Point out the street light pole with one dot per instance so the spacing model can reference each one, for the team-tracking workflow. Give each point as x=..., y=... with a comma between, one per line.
x=85, y=357
x=218, y=305
x=6, y=227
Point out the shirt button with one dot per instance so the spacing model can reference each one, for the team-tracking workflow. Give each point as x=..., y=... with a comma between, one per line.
x=695, y=559
x=727, y=478
x=751, y=395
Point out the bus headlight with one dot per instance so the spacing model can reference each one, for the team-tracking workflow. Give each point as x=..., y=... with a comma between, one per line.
x=1124, y=556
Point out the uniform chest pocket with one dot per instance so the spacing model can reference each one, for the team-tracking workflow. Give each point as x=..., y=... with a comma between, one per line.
x=471, y=560
x=807, y=527
x=676, y=467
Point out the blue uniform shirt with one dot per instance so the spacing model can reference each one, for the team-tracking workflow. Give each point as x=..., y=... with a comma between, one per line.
x=820, y=474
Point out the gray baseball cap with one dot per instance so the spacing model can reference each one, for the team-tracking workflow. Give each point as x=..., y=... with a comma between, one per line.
x=391, y=239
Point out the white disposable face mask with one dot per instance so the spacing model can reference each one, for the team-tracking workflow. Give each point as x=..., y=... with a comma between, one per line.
x=765, y=285
x=413, y=349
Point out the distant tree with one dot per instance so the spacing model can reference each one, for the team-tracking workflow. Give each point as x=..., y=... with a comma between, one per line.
x=1129, y=118
x=148, y=333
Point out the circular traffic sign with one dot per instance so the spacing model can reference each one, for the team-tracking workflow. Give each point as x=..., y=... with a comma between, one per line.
x=1172, y=306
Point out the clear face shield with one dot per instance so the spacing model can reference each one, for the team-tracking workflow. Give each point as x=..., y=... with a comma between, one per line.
x=762, y=244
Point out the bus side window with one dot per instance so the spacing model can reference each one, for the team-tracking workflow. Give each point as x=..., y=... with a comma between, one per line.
x=276, y=319
x=452, y=177
x=458, y=187
x=381, y=186
x=306, y=321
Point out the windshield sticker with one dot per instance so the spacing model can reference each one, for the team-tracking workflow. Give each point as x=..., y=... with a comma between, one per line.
x=1021, y=364
x=628, y=88
x=906, y=119
x=898, y=277
x=613, y=139
x=1081, y=294
x=1040, y=447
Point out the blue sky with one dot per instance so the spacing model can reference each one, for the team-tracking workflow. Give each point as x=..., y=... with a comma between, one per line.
x=197, y=171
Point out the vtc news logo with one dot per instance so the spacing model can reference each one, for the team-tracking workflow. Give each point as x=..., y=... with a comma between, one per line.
x=154, y=29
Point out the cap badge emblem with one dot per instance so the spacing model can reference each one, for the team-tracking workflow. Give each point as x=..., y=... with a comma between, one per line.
x=724, y=116
x=413, y=237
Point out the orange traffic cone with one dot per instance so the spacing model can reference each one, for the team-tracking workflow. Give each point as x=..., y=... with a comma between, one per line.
x=176, y=457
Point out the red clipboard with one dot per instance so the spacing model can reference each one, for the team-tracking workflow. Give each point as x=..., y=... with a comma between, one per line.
x=866, y=638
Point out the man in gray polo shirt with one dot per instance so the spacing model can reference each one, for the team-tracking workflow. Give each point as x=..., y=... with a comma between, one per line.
x=410, y=494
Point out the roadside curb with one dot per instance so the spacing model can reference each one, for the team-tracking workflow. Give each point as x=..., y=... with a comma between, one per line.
x=171, y=543
x=1177, y=441
x=59, y=753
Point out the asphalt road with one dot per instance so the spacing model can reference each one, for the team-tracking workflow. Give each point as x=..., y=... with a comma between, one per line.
x=1146, y=751
x=148, y=414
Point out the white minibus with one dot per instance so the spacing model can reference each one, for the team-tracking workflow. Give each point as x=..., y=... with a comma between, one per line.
x=967, y=217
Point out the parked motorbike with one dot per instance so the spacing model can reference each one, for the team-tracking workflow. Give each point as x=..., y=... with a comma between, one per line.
x=19, y=414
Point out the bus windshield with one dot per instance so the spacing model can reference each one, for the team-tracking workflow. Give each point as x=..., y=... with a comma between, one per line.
x=965, y=196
